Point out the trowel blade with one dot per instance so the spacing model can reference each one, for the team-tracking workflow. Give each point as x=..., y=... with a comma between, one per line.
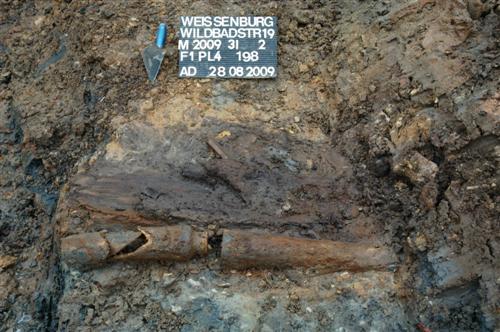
x=153, y=57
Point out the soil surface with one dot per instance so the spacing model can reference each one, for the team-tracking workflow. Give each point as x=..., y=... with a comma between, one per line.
x=382, y=127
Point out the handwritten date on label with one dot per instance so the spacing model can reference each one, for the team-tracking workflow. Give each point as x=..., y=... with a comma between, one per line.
x=228, y=46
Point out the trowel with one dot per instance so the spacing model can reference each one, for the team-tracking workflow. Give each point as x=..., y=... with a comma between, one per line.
x=153, y=54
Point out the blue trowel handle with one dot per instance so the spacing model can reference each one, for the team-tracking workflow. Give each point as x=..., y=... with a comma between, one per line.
x=161, y=35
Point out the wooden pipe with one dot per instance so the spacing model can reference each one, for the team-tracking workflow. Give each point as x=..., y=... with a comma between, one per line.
x=244, y=249
x=174, y=243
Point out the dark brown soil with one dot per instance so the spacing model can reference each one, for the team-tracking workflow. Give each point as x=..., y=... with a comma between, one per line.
x=382, y=127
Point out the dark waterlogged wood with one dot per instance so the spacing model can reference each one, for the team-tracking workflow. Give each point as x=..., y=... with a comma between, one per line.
x=217, y=148
x=253, y=181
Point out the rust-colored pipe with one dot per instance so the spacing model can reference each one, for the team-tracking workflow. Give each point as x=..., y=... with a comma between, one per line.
x=175, y=243
x=244, y=249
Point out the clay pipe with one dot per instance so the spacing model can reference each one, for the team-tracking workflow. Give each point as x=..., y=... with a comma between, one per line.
x=244, y=249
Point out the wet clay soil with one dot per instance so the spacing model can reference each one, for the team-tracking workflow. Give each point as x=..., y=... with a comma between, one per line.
x=381, y=128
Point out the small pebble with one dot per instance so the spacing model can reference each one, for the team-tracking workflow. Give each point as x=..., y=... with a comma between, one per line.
x=303, y=68
x=224, y=285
